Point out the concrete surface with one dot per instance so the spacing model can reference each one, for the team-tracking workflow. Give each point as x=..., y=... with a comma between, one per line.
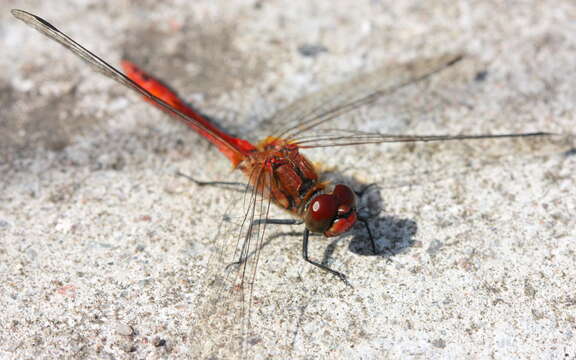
x=104, y=251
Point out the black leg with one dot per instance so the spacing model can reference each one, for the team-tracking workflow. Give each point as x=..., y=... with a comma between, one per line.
x=277, y=221
x=372, y=242
x=323, y=267
x=237, y=186
x=364, y=221
x=243, y=259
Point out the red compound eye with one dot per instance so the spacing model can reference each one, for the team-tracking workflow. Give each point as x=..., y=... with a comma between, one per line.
x=344, y=195
x=321, y=213
x=332, y=214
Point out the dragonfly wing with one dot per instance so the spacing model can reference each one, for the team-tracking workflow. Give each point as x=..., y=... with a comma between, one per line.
x=101, y=66
x=334, y=101
x=350, y=138
x=226, y=305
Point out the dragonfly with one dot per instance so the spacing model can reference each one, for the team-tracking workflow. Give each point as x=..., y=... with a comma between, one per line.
x=276, y=170
x=275, y=167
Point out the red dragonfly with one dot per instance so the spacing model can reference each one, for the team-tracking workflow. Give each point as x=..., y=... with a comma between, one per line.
x=275, y=168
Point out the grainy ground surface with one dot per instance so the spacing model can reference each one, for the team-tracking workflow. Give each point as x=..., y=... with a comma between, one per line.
x=103, y=248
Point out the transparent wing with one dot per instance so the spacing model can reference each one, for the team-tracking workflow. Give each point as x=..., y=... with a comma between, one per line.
x=349, y=138
x=101, y=66
x=335, y=101
x=225, y=308
x=305, y=117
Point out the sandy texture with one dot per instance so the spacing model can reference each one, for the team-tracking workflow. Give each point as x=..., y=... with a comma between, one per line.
x=103, y=249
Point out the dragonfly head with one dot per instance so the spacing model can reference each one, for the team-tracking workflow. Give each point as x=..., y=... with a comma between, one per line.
x=332, y=214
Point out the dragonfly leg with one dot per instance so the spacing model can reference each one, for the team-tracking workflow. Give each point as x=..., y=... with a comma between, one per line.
x=278, y=221
x=364, y=220
x=386, y=249
x=372, y=242
x=323, y=267
x=237, y=186
x=244, y=258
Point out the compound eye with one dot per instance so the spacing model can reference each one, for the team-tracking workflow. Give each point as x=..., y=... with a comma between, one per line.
x=346, y=213
x=322, y=211
x=332, y=214
x=346, y=197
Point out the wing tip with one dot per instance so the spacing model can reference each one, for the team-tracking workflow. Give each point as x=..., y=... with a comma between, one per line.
x=20, y=14
x=16, y=11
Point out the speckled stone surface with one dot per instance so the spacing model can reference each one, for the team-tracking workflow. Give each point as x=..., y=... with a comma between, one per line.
x=104, y=250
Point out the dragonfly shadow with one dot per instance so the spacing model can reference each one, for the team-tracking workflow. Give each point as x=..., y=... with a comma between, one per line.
x=394, y=236
x=391, y=235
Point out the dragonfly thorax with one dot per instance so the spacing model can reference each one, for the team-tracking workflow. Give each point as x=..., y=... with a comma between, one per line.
x=332, y=214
